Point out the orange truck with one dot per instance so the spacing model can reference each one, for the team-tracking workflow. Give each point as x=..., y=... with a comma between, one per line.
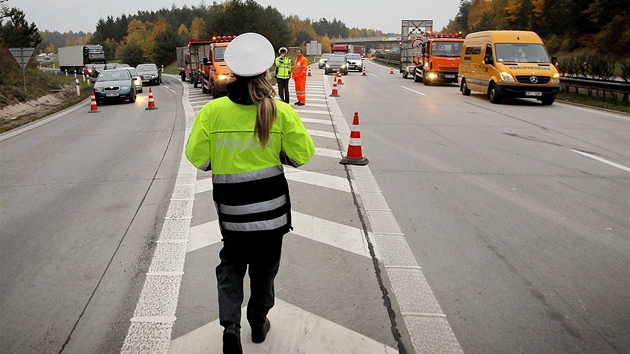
x=212, y=68
x=438, y=58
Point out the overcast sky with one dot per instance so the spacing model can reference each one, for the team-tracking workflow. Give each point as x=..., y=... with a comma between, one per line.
x=384, y=15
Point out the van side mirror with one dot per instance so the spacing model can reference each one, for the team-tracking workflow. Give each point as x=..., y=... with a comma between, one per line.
x=554, y=61
x=205, y=61
x=488, y=60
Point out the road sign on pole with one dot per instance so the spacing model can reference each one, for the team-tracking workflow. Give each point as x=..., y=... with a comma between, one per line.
x=22, y=55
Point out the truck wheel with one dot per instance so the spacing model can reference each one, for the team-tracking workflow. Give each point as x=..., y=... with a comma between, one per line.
x=464, y=88
x=493, y=94
x=405, y=74
x=204, y=89
x=547, y=101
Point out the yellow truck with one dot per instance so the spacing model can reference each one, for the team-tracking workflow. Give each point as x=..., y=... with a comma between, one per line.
x=505, y=64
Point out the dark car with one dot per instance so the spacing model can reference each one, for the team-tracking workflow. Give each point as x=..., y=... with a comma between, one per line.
x=336, y=62
x=322, y=60
x=150, y=73
x=354, y=61
x=114, y=85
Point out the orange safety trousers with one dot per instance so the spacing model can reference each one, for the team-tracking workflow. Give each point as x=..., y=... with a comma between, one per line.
x=300, y=89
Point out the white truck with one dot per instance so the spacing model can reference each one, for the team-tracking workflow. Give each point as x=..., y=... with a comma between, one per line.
x=412, y=34
x=74, y=58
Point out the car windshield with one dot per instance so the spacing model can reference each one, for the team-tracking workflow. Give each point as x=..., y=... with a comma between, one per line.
x=146, y=68
x=113, y=75
x=353, y=56
x=446, y=49
x=521, y=53
x=326, y=55
x=336, y=59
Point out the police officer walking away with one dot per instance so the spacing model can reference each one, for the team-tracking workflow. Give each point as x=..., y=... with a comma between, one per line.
x=283, y=74
x=244, y=138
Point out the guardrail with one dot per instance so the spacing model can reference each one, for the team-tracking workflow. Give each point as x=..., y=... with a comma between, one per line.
x=613, y=88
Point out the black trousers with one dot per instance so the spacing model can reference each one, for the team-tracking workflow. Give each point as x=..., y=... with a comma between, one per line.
x=283, y=89
x=262, y=254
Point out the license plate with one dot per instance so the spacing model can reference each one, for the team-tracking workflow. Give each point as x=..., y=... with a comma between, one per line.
x=449, y=76
x=112, y=95
x=536, y=94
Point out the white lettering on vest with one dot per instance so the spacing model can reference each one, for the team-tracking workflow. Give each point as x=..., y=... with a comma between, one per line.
x=240, y=143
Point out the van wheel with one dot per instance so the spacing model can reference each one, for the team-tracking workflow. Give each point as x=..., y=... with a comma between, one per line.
x=493, y=94
x=547, y=101
x=464, y=88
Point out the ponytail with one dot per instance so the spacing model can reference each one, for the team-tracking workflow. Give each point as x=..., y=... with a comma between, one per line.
x=262, y=94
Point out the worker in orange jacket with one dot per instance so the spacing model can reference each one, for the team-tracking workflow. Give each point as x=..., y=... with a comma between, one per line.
x=299, y=76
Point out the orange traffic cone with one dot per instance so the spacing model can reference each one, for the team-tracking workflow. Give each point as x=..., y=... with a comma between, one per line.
x=334, y=93
x=93, y=106
x=339, y=80
x=354, y=155
x=391, y=70
x=151, y=105
x=364, y=73
x=335, y=78
x=308, y=73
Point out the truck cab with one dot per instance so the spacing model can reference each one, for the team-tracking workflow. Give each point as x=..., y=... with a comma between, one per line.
x=439, y=59
x=215, y=73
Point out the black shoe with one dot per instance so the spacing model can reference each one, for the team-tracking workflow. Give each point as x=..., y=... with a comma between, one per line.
x=232, y=339
x=259, y=334
x=299, y=104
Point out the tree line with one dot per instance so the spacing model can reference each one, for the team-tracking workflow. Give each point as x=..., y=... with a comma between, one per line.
x=567, y=26
x=152, y=36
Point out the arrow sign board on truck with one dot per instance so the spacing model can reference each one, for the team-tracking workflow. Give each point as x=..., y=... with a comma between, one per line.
x=22, y=55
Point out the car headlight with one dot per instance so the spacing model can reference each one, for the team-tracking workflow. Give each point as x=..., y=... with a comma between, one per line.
x=506, y=77
x=555, y=78
x=125, y=88
x=432, y=76
x=223, y=77
x=98, y=89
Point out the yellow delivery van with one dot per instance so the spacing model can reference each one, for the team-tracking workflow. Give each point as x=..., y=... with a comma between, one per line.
x=508, y=64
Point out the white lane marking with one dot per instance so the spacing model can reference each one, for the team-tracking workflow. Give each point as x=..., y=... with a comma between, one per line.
x=154, y=315
x=418, y=92
x=334, y=234
x=293, y=330
x=426, y=323
x=622, y=167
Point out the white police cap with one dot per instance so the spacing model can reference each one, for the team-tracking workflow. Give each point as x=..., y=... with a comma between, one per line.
x=249, y=54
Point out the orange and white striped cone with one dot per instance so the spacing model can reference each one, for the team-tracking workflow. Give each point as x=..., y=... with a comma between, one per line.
x=364, y=73
x=151, y=104
x=354, y=155
x=308, y=73
x=391, y=70
x=334, y=93
x=335, y=78
x=339, y=79
x=93, y=106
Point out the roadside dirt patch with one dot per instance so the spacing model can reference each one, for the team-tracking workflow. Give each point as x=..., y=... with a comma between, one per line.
x=19, y=114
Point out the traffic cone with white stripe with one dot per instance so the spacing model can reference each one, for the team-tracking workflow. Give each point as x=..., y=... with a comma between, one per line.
x=391, y=70
x=334, y=93
x=308, y=73
x=364, y=73
x=151, y=104
x=354, y=155
x=339, y=80
x=93, y=106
